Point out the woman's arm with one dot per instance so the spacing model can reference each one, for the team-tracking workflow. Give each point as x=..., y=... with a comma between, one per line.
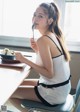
x=44, y=50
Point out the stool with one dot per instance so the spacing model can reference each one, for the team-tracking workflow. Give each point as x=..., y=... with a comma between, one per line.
x=66, y=107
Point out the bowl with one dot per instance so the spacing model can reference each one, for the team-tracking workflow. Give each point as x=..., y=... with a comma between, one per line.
x=7, y=57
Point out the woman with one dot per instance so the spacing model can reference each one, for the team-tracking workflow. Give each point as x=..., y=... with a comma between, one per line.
x=52, y=64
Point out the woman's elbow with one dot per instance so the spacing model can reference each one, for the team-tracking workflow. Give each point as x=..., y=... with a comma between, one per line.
x=51, y=74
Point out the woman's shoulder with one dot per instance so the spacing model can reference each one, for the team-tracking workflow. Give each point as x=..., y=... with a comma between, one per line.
x=42, y=39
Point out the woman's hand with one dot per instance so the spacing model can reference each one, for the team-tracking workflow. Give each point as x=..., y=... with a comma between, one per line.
x=19, y=56
x=34, y=45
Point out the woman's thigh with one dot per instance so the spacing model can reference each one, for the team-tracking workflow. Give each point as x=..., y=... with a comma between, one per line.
x=25, y=93
x=32, y=82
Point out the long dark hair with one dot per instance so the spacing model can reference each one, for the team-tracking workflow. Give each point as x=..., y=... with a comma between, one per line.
x=53, y=12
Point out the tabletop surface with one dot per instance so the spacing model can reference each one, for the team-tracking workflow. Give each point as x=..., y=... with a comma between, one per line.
x=11, y=78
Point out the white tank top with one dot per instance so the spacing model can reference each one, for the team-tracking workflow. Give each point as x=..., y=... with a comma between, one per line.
x=61, y=67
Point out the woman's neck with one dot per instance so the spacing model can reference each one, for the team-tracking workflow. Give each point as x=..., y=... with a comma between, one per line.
x=43, y=32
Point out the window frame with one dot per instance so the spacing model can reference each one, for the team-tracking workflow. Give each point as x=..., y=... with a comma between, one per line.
x=25, y=43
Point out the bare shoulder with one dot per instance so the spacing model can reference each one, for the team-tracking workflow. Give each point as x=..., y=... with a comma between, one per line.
x=42, y=40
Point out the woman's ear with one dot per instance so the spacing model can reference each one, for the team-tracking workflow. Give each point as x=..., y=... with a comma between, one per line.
x=50, y=21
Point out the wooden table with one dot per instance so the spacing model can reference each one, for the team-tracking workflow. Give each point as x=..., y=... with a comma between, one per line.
x=11, y=78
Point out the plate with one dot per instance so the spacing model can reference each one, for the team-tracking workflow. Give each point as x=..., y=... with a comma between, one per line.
x=10, y=61
x=12, y=64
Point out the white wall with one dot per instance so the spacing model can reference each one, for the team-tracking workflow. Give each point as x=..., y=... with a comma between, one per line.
x=75, y=68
